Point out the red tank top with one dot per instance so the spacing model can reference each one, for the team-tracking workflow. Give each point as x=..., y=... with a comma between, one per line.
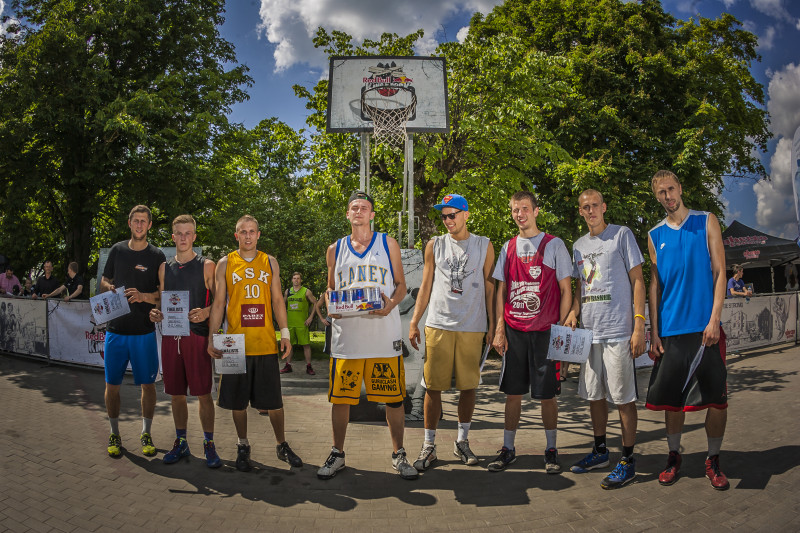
x=532, y=293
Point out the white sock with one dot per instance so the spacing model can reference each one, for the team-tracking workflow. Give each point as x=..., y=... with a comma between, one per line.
x=674, y=442
x=550, y=435
x=147, y=423
x=463, y=431
x=430, y=435
x=114, y=423
x=244, y=441
x=714, y=446
x=508, y=438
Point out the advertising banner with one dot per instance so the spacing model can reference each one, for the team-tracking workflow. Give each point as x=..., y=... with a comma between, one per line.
x=74, y=335
x=23, y=326
x=760, y=320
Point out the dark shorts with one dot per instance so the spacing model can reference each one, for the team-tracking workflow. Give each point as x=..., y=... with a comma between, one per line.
x=140, y=350
x=708, y=386
x=260, y=387
x=526, y=367
x=186, y=365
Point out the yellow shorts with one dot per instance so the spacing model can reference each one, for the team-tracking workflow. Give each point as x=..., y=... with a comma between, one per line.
x=384, y=379
x=448, y=351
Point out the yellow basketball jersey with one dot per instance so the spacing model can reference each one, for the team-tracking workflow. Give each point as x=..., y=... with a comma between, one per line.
x=250, y=302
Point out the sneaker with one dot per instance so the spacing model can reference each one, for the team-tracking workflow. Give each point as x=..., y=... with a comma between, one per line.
x=718, y=480
x=590, y=462
x=148, y=448
x=622, y=474
x=333, y=464
x=212, y=459
x=462, y=451
x=310, y=371
x=243, y=458
x=180, y=448
x=551, y=464
x=286, y=454
x=403, y=467
x=114, y=445
x=670, y=473
x=505, y=458
x=286, y=368
x=427, y=456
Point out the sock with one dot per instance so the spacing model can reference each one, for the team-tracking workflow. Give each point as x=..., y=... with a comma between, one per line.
x=244, y=441
x=508, y=438
x=114, y=423
x=550, y=435
x=674, y=442
x=627, y=451
x=208, y=435
x=430, y=435
x=463, y=431
x=147, y=423
x=600, y=444
x=714, y=445
x=180, y=433
x=336, y=450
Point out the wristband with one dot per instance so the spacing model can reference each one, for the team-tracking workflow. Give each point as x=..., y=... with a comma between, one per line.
x=285, y=333
x=639, y=316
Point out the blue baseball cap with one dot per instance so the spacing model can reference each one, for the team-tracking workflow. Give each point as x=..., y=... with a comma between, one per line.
x=456, y=201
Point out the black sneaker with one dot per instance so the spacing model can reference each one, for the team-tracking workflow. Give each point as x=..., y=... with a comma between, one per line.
x=243, y=458
x=551, y=463
x=505, y=458
x=286, y=454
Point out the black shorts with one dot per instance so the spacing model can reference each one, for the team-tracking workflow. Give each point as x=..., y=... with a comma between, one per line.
x=526, y=367
x=708, y=386
x=260, y=386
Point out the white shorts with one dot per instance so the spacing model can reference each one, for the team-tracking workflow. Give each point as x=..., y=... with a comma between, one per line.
x=609, y=373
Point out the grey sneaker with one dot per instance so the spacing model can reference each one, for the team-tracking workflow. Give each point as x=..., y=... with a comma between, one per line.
x=462, y=451
x=551, y=464
x=403, y=467
x=427, y=456
x=333, y=464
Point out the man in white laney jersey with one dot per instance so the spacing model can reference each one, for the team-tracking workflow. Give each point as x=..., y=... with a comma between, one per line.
x=367, y=347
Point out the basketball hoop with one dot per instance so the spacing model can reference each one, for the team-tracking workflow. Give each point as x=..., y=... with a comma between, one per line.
x=389, y=107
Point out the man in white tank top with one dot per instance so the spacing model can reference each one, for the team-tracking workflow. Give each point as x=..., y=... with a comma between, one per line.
x=457, y=282
x=366, y=347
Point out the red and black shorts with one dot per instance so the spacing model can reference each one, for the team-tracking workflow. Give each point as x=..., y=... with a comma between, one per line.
x=260, y=386
x=707, y=387
x=186, y=365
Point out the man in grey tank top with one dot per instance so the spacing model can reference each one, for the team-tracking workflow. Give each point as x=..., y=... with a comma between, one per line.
x=456, y=281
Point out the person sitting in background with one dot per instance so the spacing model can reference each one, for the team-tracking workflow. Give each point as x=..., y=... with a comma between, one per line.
x=73, y=285
x=9, y=281
x=736, y=286
x=792, y=284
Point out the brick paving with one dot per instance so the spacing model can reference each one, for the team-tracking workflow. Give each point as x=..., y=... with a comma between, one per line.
x=55, y=474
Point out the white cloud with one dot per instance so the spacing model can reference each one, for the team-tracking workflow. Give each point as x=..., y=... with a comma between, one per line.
x=767, y=40
x=775, y=198
x=784, y=100
x=291, y=24
x=461, y=36
x=728, y=3
x=774, y=9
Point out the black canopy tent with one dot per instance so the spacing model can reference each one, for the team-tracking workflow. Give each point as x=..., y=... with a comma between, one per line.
x=752, y=248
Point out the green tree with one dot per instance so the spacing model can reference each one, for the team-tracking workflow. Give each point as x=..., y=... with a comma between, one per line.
x=106, y=105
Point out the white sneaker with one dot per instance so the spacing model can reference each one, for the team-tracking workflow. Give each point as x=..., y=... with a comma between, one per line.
x=403, y=467
x=333, y=464
x=427, y=456
x=462, y=451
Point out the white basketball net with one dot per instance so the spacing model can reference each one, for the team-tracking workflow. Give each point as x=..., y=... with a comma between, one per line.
x=389, y=123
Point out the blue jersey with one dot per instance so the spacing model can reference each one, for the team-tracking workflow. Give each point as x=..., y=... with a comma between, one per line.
x=684, y=275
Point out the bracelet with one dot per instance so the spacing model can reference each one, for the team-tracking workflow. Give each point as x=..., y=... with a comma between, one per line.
x=640, y=316
x=284, y=333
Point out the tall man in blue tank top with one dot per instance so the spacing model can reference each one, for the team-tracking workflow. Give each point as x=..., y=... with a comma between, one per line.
x=366, y=347
x=457, y=282
x=687, y=290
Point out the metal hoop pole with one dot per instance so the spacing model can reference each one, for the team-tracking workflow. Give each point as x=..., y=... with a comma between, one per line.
x=409, y=171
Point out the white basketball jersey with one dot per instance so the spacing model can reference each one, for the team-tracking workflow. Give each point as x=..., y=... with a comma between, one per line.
x=364, y=336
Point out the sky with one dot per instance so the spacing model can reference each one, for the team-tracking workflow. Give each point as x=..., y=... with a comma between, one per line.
x=274, y=39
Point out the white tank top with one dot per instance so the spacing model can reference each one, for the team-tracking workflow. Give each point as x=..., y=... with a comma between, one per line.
x=364, y=336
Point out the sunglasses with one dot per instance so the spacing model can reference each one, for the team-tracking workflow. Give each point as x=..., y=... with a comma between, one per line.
x=451, y=216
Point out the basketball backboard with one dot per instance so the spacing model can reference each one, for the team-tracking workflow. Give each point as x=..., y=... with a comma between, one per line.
x=360, y=85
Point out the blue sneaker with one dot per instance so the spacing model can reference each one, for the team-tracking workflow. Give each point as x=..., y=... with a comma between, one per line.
x=590, y=462
x=622, y=474
x=179, y=449
x=212, y=459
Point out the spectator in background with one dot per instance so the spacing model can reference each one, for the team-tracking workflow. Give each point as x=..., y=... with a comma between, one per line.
x=73, y=285
x=47, y=283
x=9, y=281
x=792, y=284
x=736, y=286
x=27, y=288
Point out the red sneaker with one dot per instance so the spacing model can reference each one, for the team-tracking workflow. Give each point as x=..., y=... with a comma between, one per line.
x=286, y=369
x=718, y=479
x=310, y=371
x=670, y=474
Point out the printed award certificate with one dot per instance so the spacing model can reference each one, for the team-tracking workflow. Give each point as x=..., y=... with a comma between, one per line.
x=568, y=345
x=175, y=306
x=233, y=356
x=109, y=305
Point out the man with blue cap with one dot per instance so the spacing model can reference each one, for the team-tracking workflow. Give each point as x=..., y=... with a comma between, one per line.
x=456, y=281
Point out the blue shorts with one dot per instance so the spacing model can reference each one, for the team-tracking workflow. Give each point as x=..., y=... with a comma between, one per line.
x=140, y=350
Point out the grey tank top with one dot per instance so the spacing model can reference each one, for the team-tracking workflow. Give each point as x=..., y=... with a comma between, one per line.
x=458, y=296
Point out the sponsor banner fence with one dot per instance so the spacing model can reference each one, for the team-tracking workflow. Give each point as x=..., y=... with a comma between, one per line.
x=23, y=326
x=760, y=320
x=74, y=336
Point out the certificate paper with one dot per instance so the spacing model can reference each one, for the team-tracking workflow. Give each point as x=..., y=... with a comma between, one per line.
x=175, y=306
x=568, y=345
x=233, y=356
x=109, y=305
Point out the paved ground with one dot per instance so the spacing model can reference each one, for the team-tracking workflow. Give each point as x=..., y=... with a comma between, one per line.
x=55, y=474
